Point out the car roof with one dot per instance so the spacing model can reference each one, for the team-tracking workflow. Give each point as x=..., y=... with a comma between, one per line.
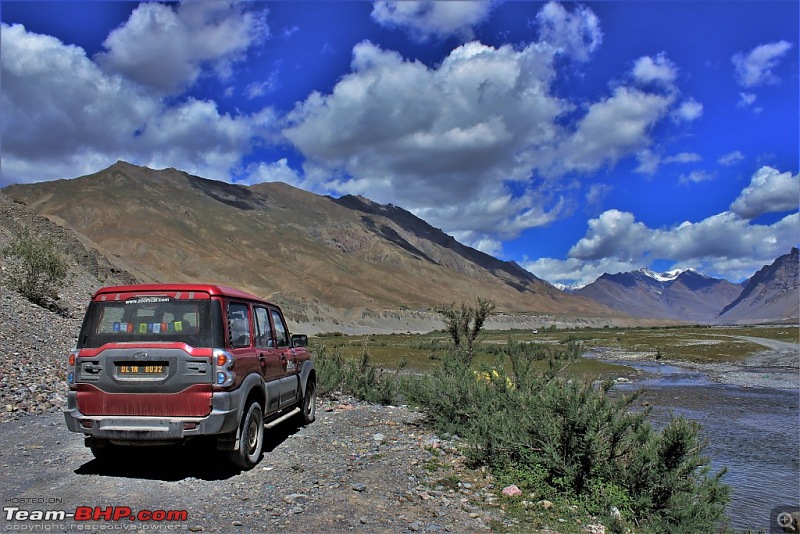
x=214, y=290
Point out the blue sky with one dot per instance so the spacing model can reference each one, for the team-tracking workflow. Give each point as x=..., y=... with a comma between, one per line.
x=574, y=139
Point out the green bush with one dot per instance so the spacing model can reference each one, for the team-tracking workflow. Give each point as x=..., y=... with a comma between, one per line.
x=34, y=268
x=360, y=378
x=573, y=438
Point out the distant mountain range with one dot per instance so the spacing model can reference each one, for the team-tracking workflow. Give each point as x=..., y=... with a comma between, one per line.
x=352, y=264
x=771, y=295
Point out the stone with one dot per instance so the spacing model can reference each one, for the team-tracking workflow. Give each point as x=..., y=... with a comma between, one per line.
x=512, y=491
x=296, y=498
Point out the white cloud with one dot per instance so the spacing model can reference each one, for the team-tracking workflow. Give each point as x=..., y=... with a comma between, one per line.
x=683, y=157
x=727, y=245
x=431, y=137
x=258, y=89
x=648, y=162
x=597, y=193
x=614, y=234
x=688, y=111
x=722, y=245
x=769, y=191
x=575, y=271
x=576, y=34
x=731, y=158
x=696, y=176
x=166, y=48
x=746, y=100
x=63, y=116
x=658, y=70
x=613, y=128
x=278, y=171
x=430, y=18
x=756, y=67
x=459, y=133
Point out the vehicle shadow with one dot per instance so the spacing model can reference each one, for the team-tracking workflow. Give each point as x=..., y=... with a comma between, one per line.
x=195, y=459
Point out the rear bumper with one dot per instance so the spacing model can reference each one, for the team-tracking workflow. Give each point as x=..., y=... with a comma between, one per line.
x=223, y=418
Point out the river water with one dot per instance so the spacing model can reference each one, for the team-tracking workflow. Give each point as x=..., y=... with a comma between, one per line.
x=754, y=432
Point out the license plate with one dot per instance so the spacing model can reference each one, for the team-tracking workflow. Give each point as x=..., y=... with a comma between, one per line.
x=142, y=370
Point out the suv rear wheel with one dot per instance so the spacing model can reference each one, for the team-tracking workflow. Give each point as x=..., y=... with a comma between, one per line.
x=309, y=405
x=251, y=438
x=102, y=449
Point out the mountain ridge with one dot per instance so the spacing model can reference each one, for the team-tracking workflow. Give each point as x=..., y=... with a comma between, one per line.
x=330, y=261
x=688, y=295
x=770, y=295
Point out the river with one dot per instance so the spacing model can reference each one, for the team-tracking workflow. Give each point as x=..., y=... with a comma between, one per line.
x=754, y=432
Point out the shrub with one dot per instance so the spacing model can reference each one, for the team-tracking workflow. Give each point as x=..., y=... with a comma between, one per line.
x=360, y=378
x=464, y=323
x=573, y=438
x=34, y=269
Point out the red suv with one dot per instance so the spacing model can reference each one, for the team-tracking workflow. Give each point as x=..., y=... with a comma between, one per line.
x=158, y=364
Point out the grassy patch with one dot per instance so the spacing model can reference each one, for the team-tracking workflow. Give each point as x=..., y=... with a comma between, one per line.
x=421, y=352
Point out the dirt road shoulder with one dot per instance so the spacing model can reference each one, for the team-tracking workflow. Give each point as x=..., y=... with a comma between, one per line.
x=359, y=467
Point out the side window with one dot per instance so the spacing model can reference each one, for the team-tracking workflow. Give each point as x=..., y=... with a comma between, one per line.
x=239, y=324
x=264, y=334
x=281, y=332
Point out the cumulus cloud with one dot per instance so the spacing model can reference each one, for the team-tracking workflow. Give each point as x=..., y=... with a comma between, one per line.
x=575, y=272
x=756, y=67
x=278, y=171
x=461, y=133
x=576, y=35
x=727, y=244
x=166, y=48
x=63, y=116
x=424, y=19
x=408, y=133
x=475, y=131
x=658, y=70
x=613, y=128
x=769, y=191
x=688, y=111
x=731, y=158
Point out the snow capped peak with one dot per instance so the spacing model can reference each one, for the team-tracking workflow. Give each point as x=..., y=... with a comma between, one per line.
x=666, y=276
x=568, y=287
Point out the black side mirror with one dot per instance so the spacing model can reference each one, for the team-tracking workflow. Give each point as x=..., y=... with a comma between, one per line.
x=299, y=340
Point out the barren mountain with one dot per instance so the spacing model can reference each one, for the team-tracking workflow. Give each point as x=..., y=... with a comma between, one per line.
x=682, y=295
x=771, y=295
x=328, y=261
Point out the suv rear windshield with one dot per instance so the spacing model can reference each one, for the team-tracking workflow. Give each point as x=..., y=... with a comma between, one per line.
x=151, y=319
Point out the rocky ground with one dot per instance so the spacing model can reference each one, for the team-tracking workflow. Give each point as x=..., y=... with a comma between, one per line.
x=776, y=367
x=359, y=467
x=34, y=343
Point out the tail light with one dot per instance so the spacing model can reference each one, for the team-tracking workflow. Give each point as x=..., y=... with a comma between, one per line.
x=223, y=363
x=71, y=362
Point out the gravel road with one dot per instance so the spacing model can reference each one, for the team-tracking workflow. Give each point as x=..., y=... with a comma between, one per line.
x=359, y=467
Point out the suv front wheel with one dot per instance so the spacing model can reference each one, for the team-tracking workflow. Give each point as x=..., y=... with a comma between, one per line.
x=251, y=438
